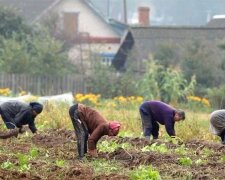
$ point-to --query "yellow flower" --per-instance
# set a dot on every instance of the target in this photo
(22, 93)
(203, 101)
(5, 91)
(87, 98)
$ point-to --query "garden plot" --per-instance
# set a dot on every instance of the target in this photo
(52, 155)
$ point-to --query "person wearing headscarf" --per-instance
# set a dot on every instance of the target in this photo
(89, 127)
(154, 112)
(15, 114)
(217, 124)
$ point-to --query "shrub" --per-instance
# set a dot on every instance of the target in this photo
(217, 97)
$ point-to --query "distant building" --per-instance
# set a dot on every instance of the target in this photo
(143, 40)
(78, 22)
(217, 21)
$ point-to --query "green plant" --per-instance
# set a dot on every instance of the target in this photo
(181, 150)
(175, 139)
(217, 97)
(166, 84)
(155, 147)
(222, 158)
(110, 146)
(107, 146)
(200, 162)
(12, 22)
(126, 146)
(207, 152)
(34, 152)
(60, 163)
(186, 161)
(7, 165)
(23, 161)
(145, 173)
(102, 165)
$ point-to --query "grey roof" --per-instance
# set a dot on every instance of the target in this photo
(117, 26)
(149, 39)
(220, 22)
(31, 10)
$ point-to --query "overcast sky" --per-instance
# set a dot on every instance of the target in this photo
(165, 12)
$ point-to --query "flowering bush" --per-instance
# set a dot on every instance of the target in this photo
(128, 100)
(88, 99)
(5, 92)
(198, 101)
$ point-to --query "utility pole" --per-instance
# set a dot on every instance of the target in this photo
(125, 11)
(108, 8)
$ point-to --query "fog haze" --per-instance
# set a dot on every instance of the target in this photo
(164, 12)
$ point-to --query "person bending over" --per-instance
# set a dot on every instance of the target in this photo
(89, 127)
(217, 124)
(15, 114)
(154, 112)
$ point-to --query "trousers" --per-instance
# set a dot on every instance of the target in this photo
(81, 131)
(149, 125)
(7, 120)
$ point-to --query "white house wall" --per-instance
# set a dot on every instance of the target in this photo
(88, 20)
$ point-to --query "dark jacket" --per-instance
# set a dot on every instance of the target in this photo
(19, 113)
(162, 113)
(97, 125)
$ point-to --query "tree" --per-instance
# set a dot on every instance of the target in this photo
(28, 50)
(48, 56)
(203, 59)
(102, 80)
(12, 23)
(166, 56)
(14, 57)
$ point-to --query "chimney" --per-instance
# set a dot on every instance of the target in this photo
(143, 16)
(70, 25)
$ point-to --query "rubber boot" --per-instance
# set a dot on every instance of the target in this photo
(223, 138)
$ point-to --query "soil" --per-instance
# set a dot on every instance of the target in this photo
(60, 144)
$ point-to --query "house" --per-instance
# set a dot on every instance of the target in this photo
(78, 22)
(218, 21)
(143, 40)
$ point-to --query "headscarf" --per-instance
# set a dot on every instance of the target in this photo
(37, 107)
(114, 125)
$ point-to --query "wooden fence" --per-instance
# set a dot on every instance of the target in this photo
(42, 85)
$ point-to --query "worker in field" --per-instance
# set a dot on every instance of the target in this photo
(154, 112)
(89, 127)
(15, 114)
(217, 124)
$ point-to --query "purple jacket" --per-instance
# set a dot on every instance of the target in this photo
(162, 113)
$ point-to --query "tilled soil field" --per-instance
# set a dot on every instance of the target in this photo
(55, 158)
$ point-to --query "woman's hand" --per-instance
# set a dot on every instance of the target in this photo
(93, 153)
